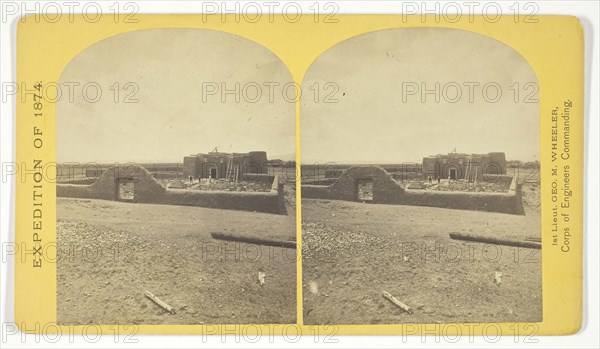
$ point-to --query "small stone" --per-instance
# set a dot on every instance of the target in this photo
(428, 310)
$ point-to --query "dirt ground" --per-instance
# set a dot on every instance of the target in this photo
(110, 253)
(354, 251)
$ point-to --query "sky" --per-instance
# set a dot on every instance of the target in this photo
(171, 73)
(382, 115)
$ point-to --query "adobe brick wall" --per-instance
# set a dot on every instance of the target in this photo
(249, 201)
(387, 191)
(491, 202)
(149, 190)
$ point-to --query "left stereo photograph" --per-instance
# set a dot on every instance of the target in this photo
(176, 182)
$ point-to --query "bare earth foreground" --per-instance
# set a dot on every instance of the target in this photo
(354, 251)
(110, 253)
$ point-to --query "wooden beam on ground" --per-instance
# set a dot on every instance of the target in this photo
(495, 241)
(160, 303)
(396, 302)
(253, 240)
(533, 238)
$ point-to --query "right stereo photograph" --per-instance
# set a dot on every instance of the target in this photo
(420, 181)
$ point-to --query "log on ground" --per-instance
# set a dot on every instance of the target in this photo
(495, 241)
(253, 240)
(159, 302)
(396, 302)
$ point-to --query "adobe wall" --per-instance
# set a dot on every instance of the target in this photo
(256, 162)
(149, 190)
(190, 166)
(385, 188)
(105, 187)
(491, 202)
(387, 191)
(245, 201)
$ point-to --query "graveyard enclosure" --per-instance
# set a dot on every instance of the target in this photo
(376, 185)
(135, 184)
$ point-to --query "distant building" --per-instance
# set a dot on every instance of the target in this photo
(218, 165)
(464, 166)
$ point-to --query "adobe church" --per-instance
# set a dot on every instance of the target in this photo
(472, 167)
(218, 165)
